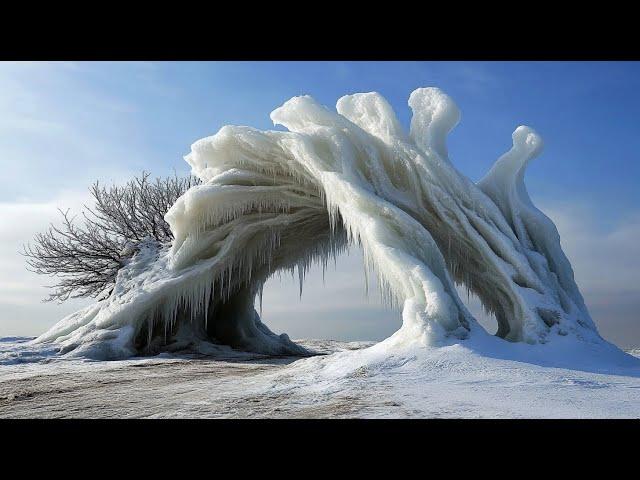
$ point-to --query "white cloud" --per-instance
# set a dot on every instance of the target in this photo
(21, 291)
(606, 263)
(603, 260)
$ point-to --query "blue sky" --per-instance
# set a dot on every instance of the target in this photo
(64, 125)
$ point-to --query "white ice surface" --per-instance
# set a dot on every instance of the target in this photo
(483, 378)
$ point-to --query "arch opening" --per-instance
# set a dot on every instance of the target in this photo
(337, 301)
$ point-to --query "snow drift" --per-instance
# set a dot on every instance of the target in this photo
(273, 200)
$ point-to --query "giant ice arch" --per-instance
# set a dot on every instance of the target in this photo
(273, 200)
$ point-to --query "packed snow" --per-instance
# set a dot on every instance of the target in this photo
(461, 380)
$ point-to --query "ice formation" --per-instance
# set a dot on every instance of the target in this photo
(273, 200)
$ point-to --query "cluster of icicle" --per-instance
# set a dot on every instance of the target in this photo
(274, 200)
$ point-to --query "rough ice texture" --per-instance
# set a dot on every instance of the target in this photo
(273, 200)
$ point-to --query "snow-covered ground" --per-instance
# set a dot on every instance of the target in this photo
(486, 378)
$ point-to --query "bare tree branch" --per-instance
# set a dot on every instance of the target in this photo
(85, 257)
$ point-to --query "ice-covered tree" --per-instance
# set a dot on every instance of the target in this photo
(273, 200)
